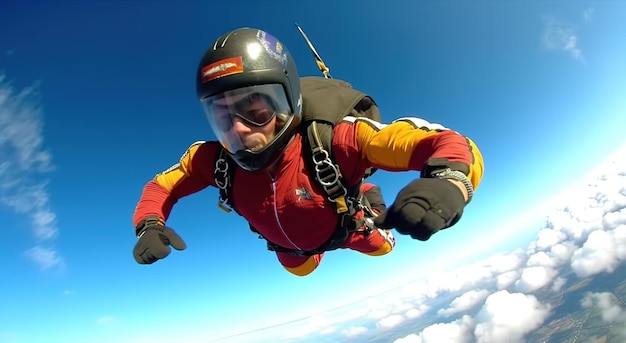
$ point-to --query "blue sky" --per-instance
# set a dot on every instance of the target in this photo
(97, 97)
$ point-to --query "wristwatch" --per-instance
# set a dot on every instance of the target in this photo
(459, 176)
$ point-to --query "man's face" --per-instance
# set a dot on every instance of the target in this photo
(248, 118)
(251, 117)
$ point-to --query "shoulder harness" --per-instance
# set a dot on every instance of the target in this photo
(325, 103)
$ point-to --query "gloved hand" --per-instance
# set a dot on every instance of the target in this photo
(154, 241)
(423, 207)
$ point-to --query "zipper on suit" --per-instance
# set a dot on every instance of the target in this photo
(276, 213)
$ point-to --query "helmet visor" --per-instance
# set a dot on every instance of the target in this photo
(254, 107)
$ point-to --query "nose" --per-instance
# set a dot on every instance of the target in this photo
(239, 126)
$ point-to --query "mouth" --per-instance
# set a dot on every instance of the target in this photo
(255, 143)
(256, 148)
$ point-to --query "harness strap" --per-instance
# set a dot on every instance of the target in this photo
(223, 174)
(326, 171)
(347, 225)
(336, 241)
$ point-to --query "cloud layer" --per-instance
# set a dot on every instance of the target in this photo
(23, 162)
(586, 236)
(507, 296)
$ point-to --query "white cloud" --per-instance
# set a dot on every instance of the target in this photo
(464, 277)
(561, 36)
(328, 331)
(508, 317)
(588, 14)
(505, 280)
(417, 312)
(378, 313)
(602, 252)
(24, 160)
(500, 263)
(579, 218)
(554, 257)
(546, 238)
(611, 308)
(534, 278)
(354, 331)
(412, 338)
(45, 257)
(458, 331)
(499, 268)
(392, 304)
(586, 232)
(465, 302)
(540, 259)
(558, 283)
(614, 219)
(562, 253)
(391, 321)
(619, 235)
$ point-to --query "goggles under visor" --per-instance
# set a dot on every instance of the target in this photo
(245, 110)
(254, 106)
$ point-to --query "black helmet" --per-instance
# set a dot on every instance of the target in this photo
(247, 64)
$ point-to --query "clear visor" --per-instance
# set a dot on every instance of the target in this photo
(238, 114)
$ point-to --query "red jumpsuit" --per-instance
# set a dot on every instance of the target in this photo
(289, 208)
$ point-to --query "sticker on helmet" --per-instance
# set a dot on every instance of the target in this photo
(225, 67)
(273, 46)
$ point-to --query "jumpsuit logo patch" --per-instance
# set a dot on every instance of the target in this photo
(303, 194)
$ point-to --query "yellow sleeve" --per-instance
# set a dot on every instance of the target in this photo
(408, 144)
(191, 174)
(477, 167)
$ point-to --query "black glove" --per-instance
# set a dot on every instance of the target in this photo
(423, 207)
(154, 241)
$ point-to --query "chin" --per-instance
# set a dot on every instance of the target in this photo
(257, 147)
